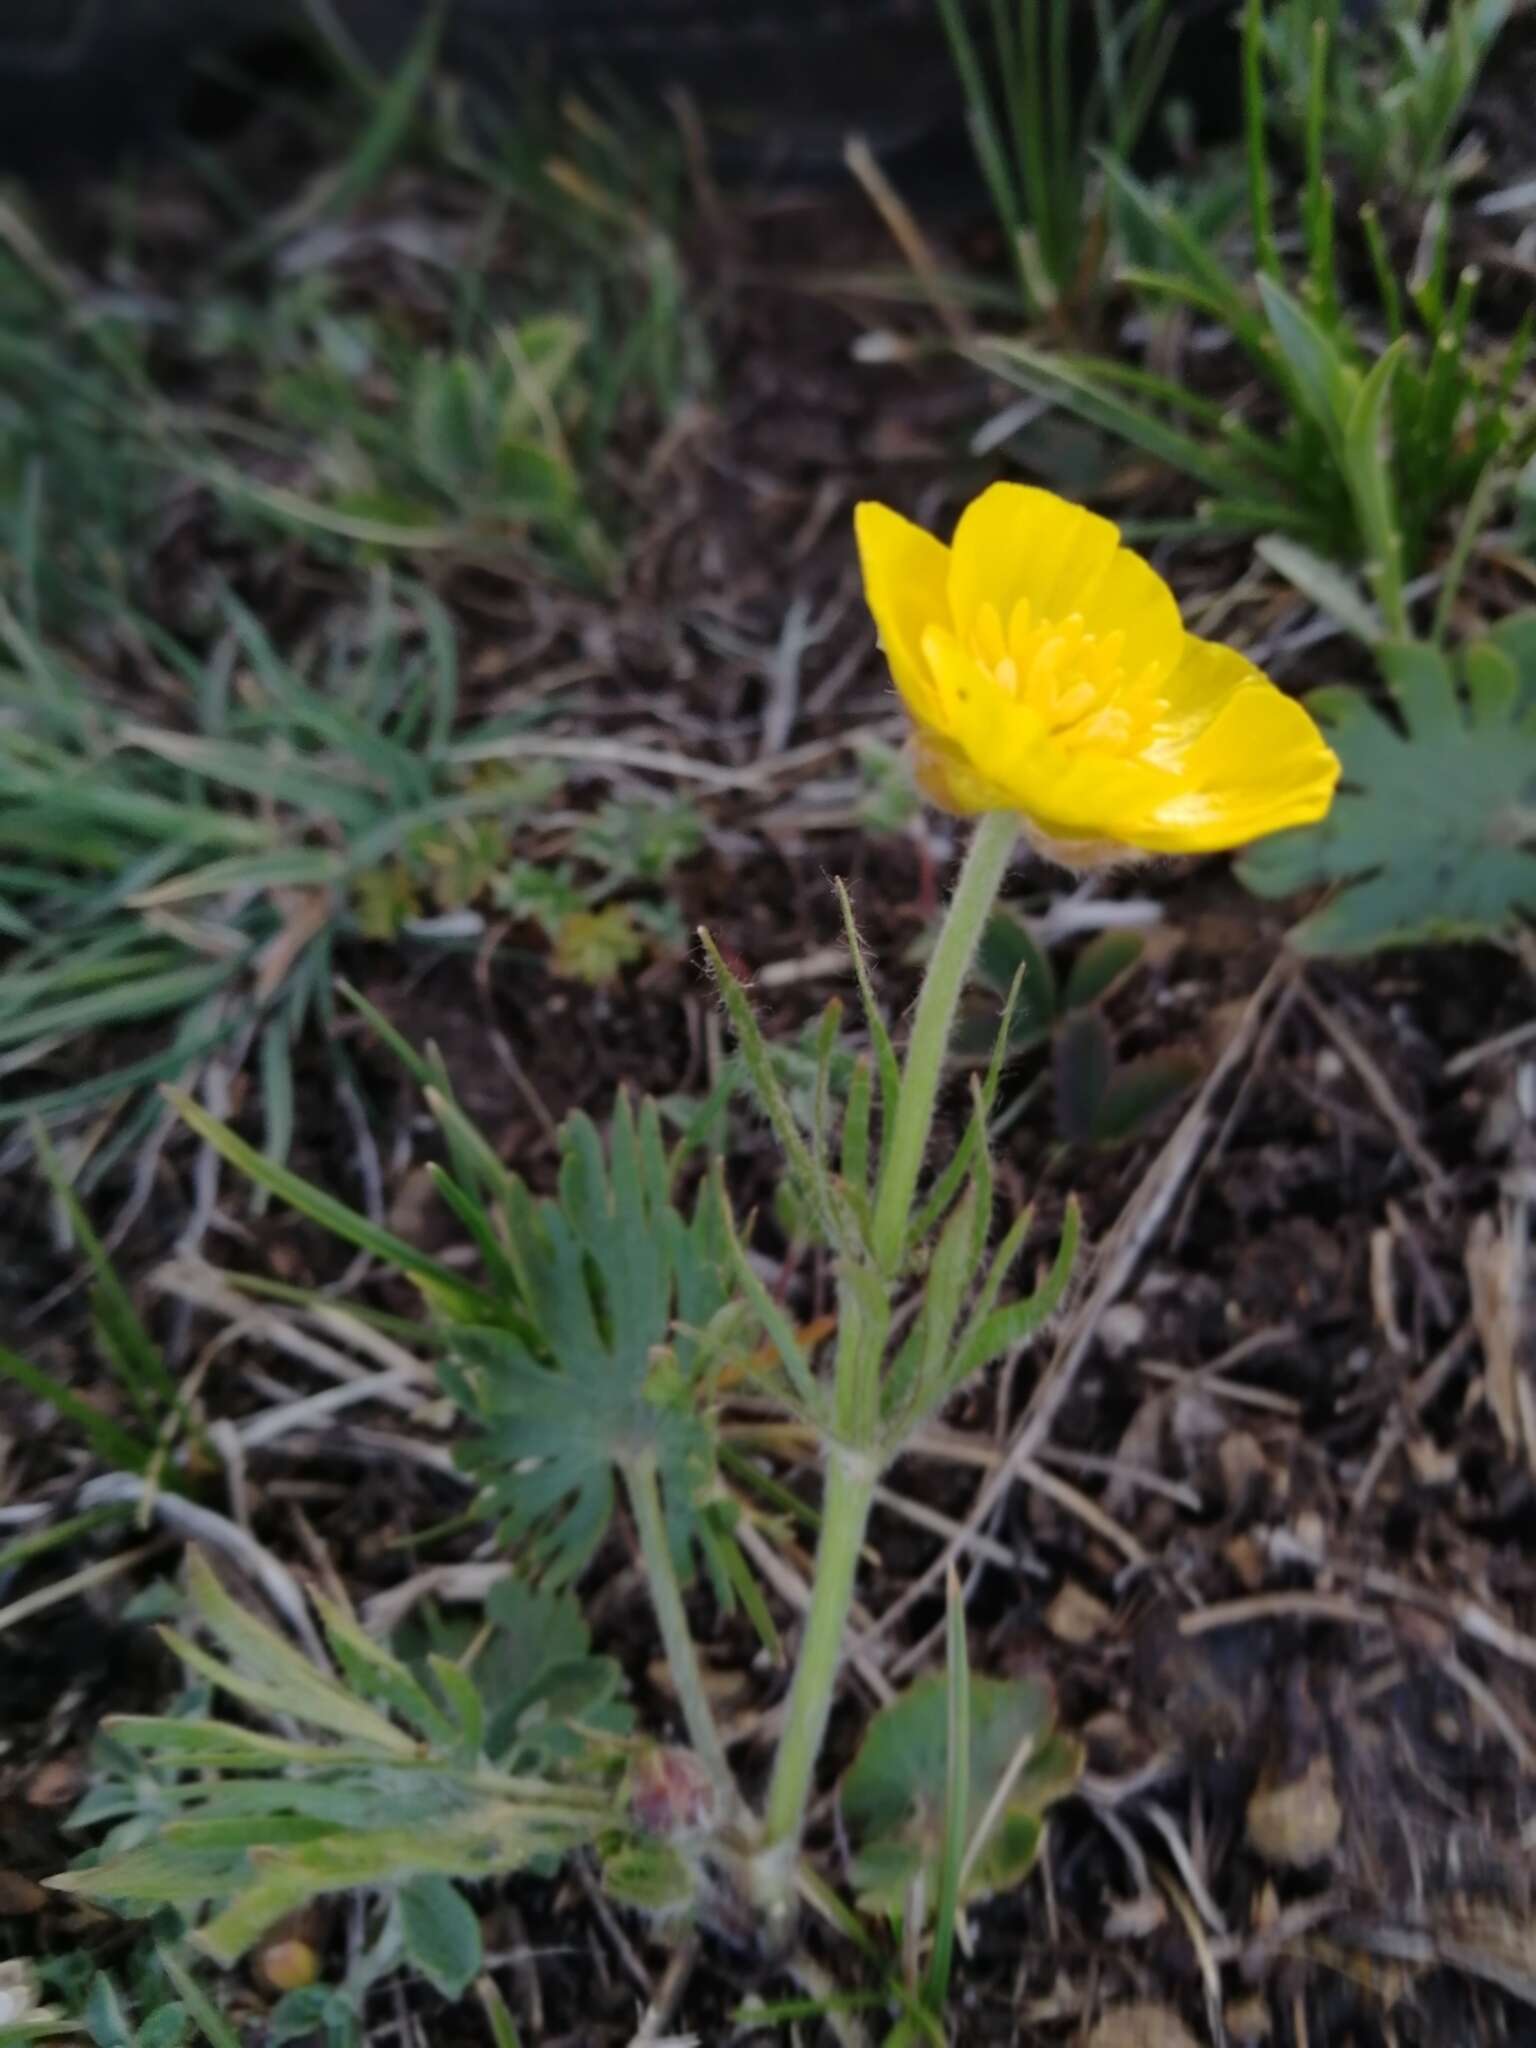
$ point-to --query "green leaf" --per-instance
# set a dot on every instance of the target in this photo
(957, 1798)
(113, 1444)
(449, 423)
(381, 1678)
(1140, 1090)
(1083, 387)
(650, 1877)
(127, 1346)
(216, 2030)
(887, 1067)
(809, 1183)
(272, 1673)
(992, 1331)
(318, 2014)
(917, 1380)
(1085, 1059)
(484, 1842)
(777, 1325)
(855, 1152)
(618, 1288)
(465, 1703)
(733, 1575)
(894, 1794)
(439, 1283)
(1368, 472)
(1322, 583)
(1008, 952)
(441, 1934)
(1100, 966)
(498, 2015)
(1433, 833)
(1320, 378)
(595, 946)
(106, 2017)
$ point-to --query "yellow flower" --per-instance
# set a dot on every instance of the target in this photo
(1047, 672)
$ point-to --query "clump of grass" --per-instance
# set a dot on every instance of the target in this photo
(180, 888)
(1038, 130)
(1398, 83)
(445, 350)
(1372, 431)
(442, 347)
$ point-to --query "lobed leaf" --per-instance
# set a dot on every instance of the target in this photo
(1433, 833)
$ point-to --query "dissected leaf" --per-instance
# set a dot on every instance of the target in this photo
(620, 1289)
(991, 1331)
(236, 1828)
(595, 946)
(534, 1672)
(1433, 833)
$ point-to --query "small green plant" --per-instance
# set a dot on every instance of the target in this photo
(1396, 85)
(867, 1211)
(1100, 1099)
(394, 1784)
(1363, 451)
(1433, 835)
(154, 1426)
(594, 1354)
(588, 1358)
(467, 403)
(78, 475)
(898, 1796)
(597, 1347)
(154, 1999)
(622, 851)
(1036, 128)
(182, 888)
(475, 443)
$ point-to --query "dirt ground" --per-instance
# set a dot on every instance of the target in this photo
(1266, 1492)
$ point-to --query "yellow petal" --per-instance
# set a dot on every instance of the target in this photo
(905, 576)
(947, 779)
(1202, 684)
(1016, 542)
(983, 720)
(1259, 765)
(1095, 796)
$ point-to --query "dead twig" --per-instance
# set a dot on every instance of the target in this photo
(1379, 1089)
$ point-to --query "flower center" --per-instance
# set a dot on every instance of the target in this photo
(1075, 681)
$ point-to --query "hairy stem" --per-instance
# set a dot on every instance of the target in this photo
(667, 1600)
(850, 1488)
(855, 1459)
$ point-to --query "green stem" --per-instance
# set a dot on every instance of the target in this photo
(971, 906)
(667, 1599)
(851, 1480)
(854, 1462)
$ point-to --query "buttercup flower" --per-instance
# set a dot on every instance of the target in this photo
(1047, 672)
